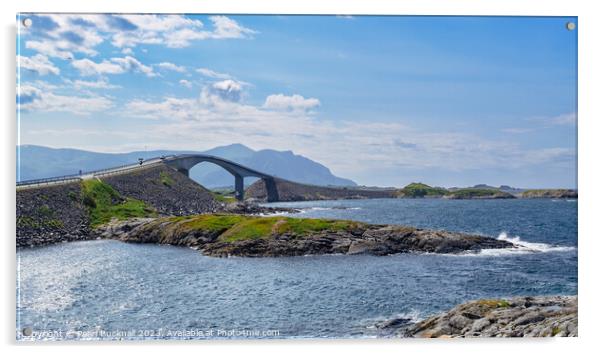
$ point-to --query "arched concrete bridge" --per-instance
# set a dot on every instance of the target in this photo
(183, 163)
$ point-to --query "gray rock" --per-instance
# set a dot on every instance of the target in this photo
(544, 316)
(480, 324)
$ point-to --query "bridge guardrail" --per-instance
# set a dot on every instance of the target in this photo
(50, 180)
(78, 176)
(119, 170)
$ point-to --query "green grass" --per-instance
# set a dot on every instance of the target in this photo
(211, 222)
(104, 203)
(265, 227)
(166, 179)
(419, 190)
(45, 211)
(249, 229)
(224, 198)
(494, 303)
(307, 226)
(474, 192)
(27, 221)
(235, 227)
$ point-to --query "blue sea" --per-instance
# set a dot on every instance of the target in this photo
(112, 290)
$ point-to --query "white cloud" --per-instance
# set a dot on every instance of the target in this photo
(62, 35)
(222, 93)
(564, 119)
(227, 86)
(213, 74)
(290, 103)
(172, 67)
(169, 30)
(516, 130)
(186, 83)
(228, 28)
(31, 98)
(49, 48)
(215, 120)
(102, 83)
(38, 63)
(169, 108)
(132, 64)
(88, 67)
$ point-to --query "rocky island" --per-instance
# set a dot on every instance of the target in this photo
(224, 235)
(292, 191)
(527, 316)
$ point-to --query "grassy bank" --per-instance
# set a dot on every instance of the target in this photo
(468, 193)
(233, 227)
(224, 198)
(104, 203)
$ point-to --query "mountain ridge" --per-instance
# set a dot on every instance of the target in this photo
(35, 161)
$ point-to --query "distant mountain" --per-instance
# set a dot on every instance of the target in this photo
(40, 162)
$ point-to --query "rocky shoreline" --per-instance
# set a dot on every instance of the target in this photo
(289, 191)
(230, 235)
(527, 316)
(248, 208)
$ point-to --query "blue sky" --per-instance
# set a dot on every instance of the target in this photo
(449, 101)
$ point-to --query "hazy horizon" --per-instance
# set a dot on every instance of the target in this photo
(384, 101)
(400, 185)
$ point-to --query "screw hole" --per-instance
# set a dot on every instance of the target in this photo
(570, 26)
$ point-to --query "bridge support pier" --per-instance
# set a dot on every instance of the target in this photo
(271, 190)
(184, 171)
(239, 187)
(183, 164)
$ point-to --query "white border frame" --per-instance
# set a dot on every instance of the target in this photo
(589, 176)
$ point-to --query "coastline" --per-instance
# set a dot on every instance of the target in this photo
(225, 235)
(525, 316)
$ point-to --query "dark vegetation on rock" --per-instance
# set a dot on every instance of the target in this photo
(538, 316)
(476, 193)
(420, 190)
(224, 235)
(51, 214)
(550, 193)
(166, 190)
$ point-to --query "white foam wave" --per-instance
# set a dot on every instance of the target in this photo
(522, 247)
(412, 316)
(279, 213)
(333, 208)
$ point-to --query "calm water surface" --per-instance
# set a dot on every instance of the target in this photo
(109, 290)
